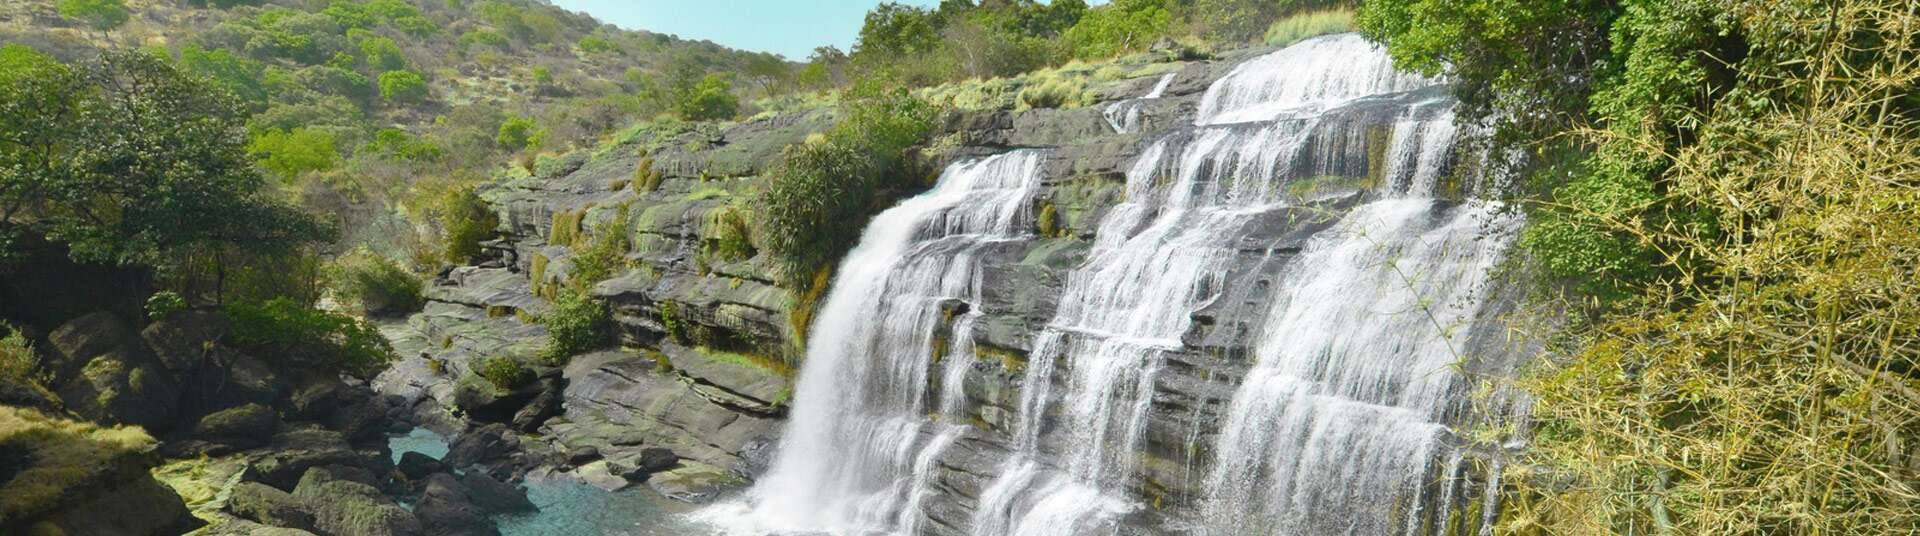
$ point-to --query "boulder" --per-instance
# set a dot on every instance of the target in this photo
(268, 505)
(445, 509)
(294, 452)
(234, 379)
(343, 506)
(692, 482)
(78, 341)
(315, 399)
(248, 426)
(545, 405)
(636, 467)
(418, 466)
(486, 445)
(582, 455)
(184, 340)
(496, 496)
(363, 419)
(123, 387)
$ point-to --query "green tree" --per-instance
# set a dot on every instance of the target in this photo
(131, 161)
(710, 99)
(291, 153)
(892, 30)
(382, 54)
(1122, 26)
(467, 220)
(98, 14)
(823, 191)
(242, 76)
(403, 87)
(519, 133)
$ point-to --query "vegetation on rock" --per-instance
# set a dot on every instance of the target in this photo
(300, 336)
(1727, 214)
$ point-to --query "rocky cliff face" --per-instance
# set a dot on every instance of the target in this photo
(709, 341)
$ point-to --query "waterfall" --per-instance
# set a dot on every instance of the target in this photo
(1124, 116)
(1344, 424)
(1316, 74)
(858, 451)
(1339, 428)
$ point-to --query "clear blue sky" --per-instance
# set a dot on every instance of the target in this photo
(791, 28)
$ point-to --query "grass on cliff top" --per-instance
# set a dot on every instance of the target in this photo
(60, 455)
(1303, 26)
(1065, 86)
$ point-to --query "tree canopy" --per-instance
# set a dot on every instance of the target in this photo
(128, 160)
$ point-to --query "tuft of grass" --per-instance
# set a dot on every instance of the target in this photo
(1303, 26)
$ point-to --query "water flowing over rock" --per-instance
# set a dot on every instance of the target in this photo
(1277, 329)
(859, 443)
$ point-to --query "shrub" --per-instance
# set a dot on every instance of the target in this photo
(468, 221)
(1060, 92)
(725, 234)
(300, 336)
(577, 324)
(18, 363)
(822, 191)
(645, 177)
(163, 303)
(403, 86)
(98, 14)
(376, 284)
(1300, 27)
(288, 154)
(605, 252)
(711, 99)
(519, 133)
(504, 372)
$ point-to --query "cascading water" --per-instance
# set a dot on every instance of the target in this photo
(1342, 426)
(1124, 116)
(1339, 428)
(858, 450)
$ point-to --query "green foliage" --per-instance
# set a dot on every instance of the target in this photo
(594, 44)
(483, 37)
(505, 373)
(397, 143)
(18, 363)
(164, 303)
(893, 30)
(290, 154)
(519, 133)
(382, 54)
(98, 14)
(300, 336)
(403, 87)
(604, 253)
(1302, 26)
(376, 284)
(131, 161)
(467, 221)
(1121, 26)
(242, 76)
(1726, 215)
(726, 234)
(822, 191)
(710, 99)
(575, 325)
